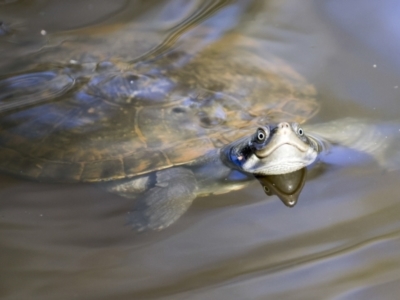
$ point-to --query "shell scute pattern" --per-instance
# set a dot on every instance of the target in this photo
(118, 122)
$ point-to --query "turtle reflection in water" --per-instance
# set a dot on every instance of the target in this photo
(286, 187)
(162, 131)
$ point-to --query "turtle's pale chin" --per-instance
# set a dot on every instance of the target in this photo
(285, 158)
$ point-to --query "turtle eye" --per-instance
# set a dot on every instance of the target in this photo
(261, 135)
(300, 131)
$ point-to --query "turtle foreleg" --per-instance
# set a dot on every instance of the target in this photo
(162, 204)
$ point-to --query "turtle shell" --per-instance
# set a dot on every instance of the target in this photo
(112, 119)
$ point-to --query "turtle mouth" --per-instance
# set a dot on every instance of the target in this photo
(269, 150)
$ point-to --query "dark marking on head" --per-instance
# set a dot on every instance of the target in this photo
(179, 110)
(132, 77)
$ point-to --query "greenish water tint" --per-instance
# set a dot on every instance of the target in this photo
(341, 240)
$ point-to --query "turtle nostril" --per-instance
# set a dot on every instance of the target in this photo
(284, 125)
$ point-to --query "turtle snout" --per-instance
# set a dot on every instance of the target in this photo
(283, 127)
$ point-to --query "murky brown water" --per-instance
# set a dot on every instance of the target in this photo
(341, 241)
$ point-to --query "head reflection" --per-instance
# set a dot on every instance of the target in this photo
(286, 186)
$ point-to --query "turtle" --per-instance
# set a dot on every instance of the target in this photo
(161, 130)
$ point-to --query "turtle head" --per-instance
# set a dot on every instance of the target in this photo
(272, 150)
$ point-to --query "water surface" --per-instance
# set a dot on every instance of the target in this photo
(341, 241)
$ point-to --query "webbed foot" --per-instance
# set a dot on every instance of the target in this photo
(164, 203)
